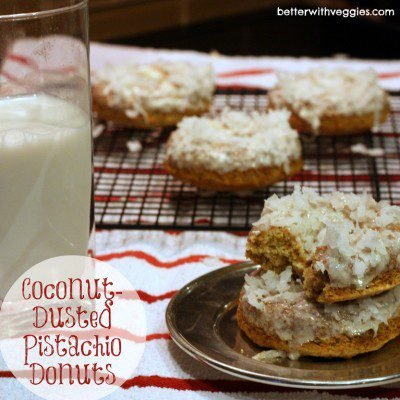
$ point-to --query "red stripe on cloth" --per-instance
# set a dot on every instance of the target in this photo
(22, 60)
(346, 178)
(386, 134)
(161, 264)
(30, 62)
(203, 221)
(107, 198)
(148, 298)
(388, 75)
(9, 76)
(239, 234)
(233, 233)
(28, 374)
(90, 333)
(173, 233)
(143, 171)
(239, 87)
(314, 176)
(245, 72)
(118, 199)
(158, 336)
(112, 332)
(196, 384)
(265, 71)
(226, 386)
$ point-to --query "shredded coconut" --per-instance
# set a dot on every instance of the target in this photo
(283, 309)
(271, 356)
(235, 140)
(360, 237)
(159, 87)
(97, 130)
(323, 92)
(134, 146)
(360, 148)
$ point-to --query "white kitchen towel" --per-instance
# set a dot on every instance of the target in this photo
(30, 55)
(158, 264)
(258, 72)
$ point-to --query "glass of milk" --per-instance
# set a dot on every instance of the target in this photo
(46, 204)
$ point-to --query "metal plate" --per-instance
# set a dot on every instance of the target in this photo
(202, 321)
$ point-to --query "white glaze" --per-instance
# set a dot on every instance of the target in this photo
(235, 140)
(283, 309)
(159, 87)
(358, 233)
(322, 92)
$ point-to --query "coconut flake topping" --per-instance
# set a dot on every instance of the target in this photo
(283, 309)
(360, 237)
(235, 140)
(162, 86)
(323, 92)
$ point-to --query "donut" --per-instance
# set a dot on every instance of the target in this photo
(331, 101)
(148, 96)
(234, 150)
(274, 312)
(343, 246)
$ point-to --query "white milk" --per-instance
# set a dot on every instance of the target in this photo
(45, 182)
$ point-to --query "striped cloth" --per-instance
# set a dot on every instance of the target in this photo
(239, 72)
(231, 72)
(158, 264)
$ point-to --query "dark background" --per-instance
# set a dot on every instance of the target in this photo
(262, 32)
(265, 33)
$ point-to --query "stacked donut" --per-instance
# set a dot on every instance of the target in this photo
(328, 282)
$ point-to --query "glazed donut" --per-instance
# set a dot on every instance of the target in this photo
(343, 246)
(234, 150)
(274, 312)
(154, 95)
(331, 102)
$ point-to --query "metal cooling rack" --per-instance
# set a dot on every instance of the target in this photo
(133, 191)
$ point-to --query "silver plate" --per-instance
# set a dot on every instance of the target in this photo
(202, 321)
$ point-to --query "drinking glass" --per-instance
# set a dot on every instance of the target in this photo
(46, 203)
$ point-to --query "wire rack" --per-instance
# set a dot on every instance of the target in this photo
(133, 191)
